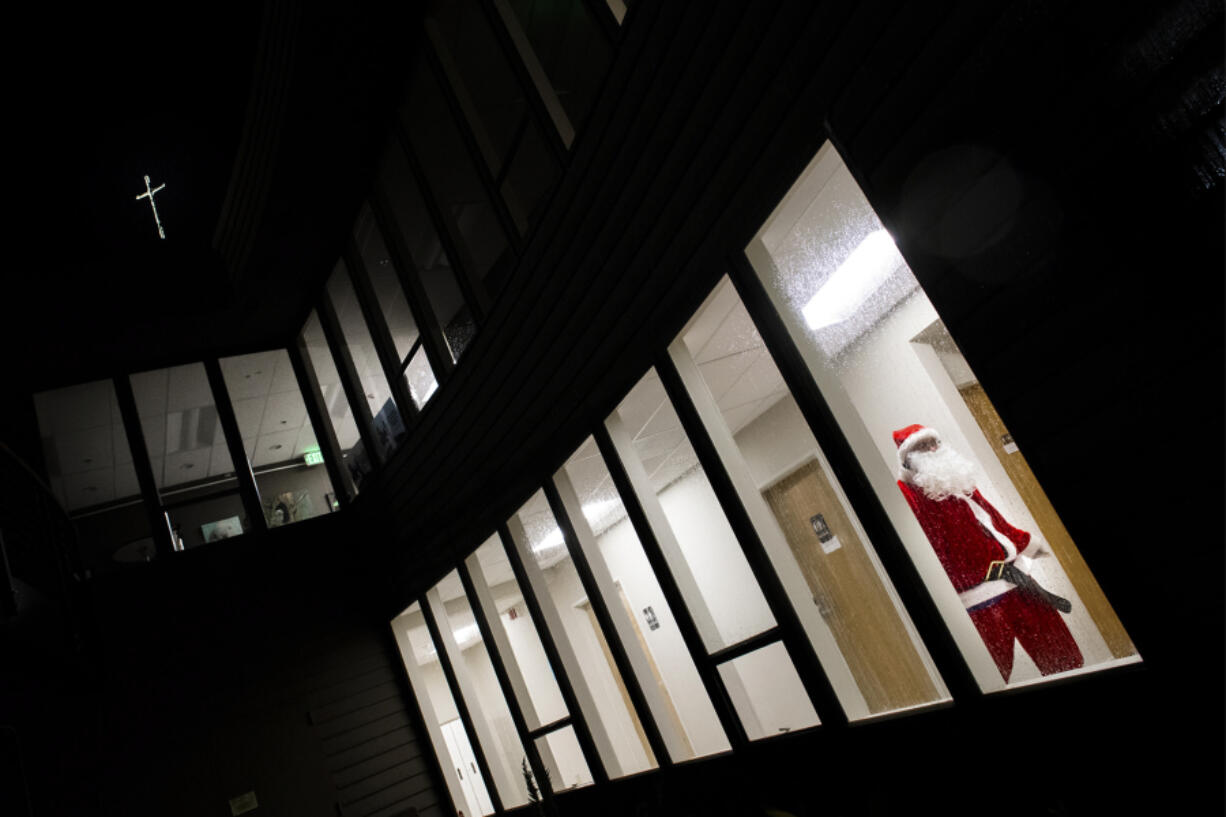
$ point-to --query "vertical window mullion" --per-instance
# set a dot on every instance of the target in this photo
(612, 636)
(317, 412)
(690, 633)
(159, 522)
(483, 615)
(428, 327)
(471, 285)
(890, 549)
(247, 488)
(461, 703)
(795, 639)
(350, 382)
(385, 347)
(578, 720)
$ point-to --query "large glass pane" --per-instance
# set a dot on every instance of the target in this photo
(871, 651)
(531, 674)
(702, 551)
(188, 451)
(335, 401)
(277, 436)
(389, 428)
(452, 744)
(453, 177)
(766, 692)
(582, 642)
(1006, 575)
(666, 671)
(572, 50)
(417, 228)
(85, 447)
(385, 282)
(494, 104)
(479, 685)
(90, 471)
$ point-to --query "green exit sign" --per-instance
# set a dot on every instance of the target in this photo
(314, 458)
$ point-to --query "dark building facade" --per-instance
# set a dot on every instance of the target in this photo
(599, 182)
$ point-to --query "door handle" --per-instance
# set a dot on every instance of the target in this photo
(460, 773)
(473, 765)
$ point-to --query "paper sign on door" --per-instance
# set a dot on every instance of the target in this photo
(829, 542)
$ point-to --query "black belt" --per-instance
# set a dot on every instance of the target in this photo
(1025, 583)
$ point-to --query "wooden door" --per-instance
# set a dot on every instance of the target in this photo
(1049, 523)
(849, 593)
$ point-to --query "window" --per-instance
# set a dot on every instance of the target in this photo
(389, 428)
(426, 250)
(849, 610)
(90, 471)
(389, 294)
(277, 436)
(582, 642)
(335, 402)
(191, 461)
(474, 674)
(485, 85)
(452, 743)
(704, 555)
(648, 630)
(528, 667)
(463, 201)
(561, 41)
(1004, 572)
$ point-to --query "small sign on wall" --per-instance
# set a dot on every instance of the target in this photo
(649, 614)
(243, 804)
(829, 542)
(1006, 440)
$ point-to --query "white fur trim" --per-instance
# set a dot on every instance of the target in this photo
(986, 520)
(984, 592)
(909, 444)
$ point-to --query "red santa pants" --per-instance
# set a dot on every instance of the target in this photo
(1039, 627)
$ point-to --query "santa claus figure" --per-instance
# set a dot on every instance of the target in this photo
(987, 559)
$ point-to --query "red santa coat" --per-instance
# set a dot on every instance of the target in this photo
(1000, 613)
(965, 549)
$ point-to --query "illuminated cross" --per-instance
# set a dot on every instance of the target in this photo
(148, 194)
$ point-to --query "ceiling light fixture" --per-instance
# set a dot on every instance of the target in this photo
(857, 278)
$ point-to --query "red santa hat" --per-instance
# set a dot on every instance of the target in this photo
(911, 436)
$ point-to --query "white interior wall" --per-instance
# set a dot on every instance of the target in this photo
(546, 698)
(566, 590)
(509, 752)
(619, 545)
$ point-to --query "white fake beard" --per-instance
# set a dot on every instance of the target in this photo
(942, 473)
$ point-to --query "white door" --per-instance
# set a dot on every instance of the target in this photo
(465, 763)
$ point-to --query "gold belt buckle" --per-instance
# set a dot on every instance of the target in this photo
(994, 569)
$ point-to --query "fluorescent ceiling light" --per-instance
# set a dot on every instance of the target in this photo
(856, 279)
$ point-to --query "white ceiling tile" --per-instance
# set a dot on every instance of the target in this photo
(249, 413)
(283, 378)
(220, 461)
(126, 483)
(658, 444)
(641, 403)
(709, 319)
(149, 389)
(736, 334)
(84, 450)
(274, 448)
(74, 407)
(154, 428)
(187, 466)
(305, 441)
(119, 445)
(89, 488)
(248, 376)
(188, 388)
(282, 412)
(722, 373)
